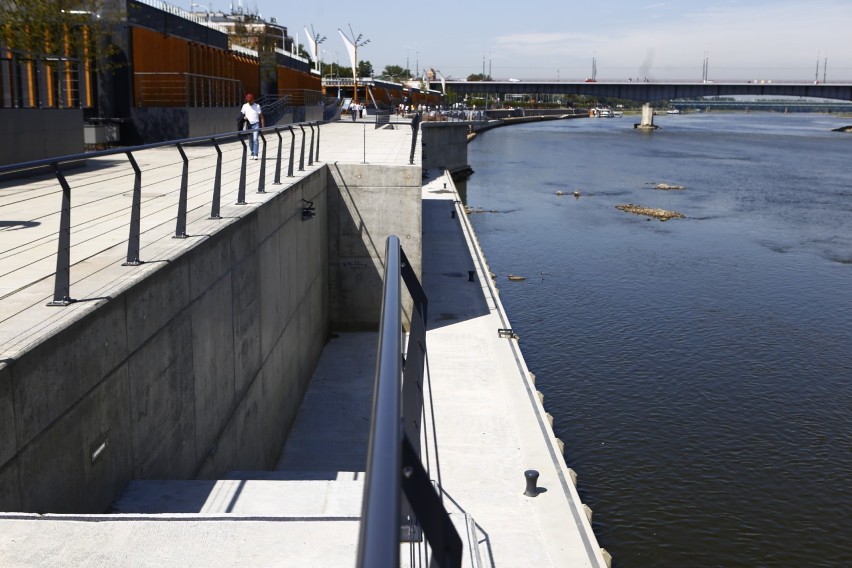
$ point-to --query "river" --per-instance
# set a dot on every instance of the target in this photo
(699, 370)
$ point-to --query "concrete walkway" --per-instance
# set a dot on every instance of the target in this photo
(485, 425)
(101, 199)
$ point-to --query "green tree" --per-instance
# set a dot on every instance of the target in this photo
(478, 77)
(365, 69)
(78, 29)
(344, 72)
(396, 73)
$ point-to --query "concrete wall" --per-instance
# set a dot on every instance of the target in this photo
(308, 114)
(366, 204)
(444, 145)
(34, 134)
(150, 125)
(160, 124)
(194, 371)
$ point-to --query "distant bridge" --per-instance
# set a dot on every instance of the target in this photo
(651, 91)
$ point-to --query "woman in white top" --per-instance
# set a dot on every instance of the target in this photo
(251, 111)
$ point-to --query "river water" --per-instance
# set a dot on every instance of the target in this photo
(699, 370)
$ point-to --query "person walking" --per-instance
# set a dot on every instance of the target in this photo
(353, 110)
(251, 111)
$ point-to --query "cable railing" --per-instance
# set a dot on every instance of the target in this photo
(308, 147)
(179, 89)
(399, 497)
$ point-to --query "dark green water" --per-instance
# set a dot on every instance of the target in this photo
(699, 370)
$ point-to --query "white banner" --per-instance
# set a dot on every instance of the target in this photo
(350, 47)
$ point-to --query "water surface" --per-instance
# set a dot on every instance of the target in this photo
(699, 370)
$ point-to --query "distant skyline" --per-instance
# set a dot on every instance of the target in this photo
(742, 40)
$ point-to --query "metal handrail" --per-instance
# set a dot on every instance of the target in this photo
(378, 543)
(394, 466)
(62, 281)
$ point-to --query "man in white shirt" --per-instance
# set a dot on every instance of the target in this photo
(251, 110)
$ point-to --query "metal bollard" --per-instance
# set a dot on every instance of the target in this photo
(532, 479)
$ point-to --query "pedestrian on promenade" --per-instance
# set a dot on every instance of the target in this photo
(251, 111)
(361, 108)
(353, 110)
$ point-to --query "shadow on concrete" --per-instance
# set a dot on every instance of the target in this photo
(152, 496)
(17, 225)
(453, 296)
(330, 435)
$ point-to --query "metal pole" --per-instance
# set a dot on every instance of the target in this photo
(135, 213)
(302, 155)
(217, 183)
(241, 192)
(311, 151)
(316, 158)
(277, 180)
(62, 283)
(261, 181)
(180, 227)
(292, 151)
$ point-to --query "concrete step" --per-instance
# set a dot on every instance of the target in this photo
(176, 540)
(297, 475)
(258, 497)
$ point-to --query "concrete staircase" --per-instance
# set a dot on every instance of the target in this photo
(306, 513)
(320, 470)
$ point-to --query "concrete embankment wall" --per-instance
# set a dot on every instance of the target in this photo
(193, 371)
(445, 145)
(366, 204)
(199, 368)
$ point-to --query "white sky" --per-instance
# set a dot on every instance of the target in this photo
(777, 40)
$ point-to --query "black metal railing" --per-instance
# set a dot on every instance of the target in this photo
(274, 108)
(397, 490)
(62, 281)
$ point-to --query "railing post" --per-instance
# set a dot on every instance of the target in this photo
(135, 213)
(62, 282)
(318, 142)
(217, 183)
(277, 180)
(180, 225)
(292, 151)
(241, 190)
(311, 151)
(302, 155)
(261, 180)
(415, 126)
